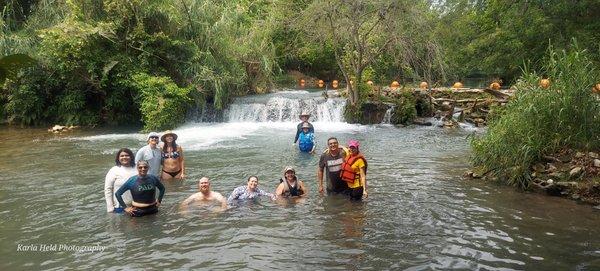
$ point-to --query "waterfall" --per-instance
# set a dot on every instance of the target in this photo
(388, 115)
(286, 107)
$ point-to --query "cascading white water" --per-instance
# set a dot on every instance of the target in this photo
(286, 107)
(388, 115)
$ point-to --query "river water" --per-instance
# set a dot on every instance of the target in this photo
(420, 214)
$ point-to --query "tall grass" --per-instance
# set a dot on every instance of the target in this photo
(542, 121)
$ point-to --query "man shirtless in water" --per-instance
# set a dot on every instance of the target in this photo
(205, 195)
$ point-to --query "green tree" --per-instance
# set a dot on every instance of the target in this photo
(361, 31)
(496, 37)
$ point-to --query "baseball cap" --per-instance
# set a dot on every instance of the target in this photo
(153, 134)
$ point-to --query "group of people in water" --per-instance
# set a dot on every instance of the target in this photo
(131, 185)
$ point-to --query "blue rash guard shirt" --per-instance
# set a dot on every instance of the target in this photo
(311, 129)
(143, 189)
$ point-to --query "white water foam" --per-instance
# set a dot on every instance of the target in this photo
(202, 136)
(111, 137)
(260, 115)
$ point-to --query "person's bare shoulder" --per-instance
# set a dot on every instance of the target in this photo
(216, 195)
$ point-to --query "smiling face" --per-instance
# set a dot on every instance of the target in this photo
(289, 175)
(353, 150)
(169, 139)
(124, 158)
(153, 140)
(252, 183)
(142, 168)
(332, 144)
(304, 118)
(204, 185)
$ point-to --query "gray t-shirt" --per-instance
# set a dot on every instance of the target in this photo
(153, 156)
(333, 164)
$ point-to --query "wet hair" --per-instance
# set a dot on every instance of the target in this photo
(128, 151)
(332, 138)
(253, 176)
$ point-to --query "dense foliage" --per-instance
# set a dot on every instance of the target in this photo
(495, 38)
(541, 121)
(89, 52)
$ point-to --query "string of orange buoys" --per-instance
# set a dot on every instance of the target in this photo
(394, 85)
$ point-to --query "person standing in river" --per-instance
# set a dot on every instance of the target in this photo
(354, 172)
(143, 192)
(172, 158)
(151, 154)
(117, 176)
(304, 118)
(306, 140)
(332, 159)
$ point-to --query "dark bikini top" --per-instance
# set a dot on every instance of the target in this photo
(173, 155)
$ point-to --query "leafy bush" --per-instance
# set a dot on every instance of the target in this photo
(405, 111)
(28, 97)
(162, 103)
(541, 121)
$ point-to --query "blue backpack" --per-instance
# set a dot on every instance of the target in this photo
(306, 141)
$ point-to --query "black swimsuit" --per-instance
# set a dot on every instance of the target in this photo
(173, 155)
(292, 191)
(173, 174)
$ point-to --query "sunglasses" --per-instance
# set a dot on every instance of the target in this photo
(154, 137)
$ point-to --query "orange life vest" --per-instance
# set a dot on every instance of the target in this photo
(347, 173)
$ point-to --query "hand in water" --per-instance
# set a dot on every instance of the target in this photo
(321, 190)
(182, 176)
(365, 194)
(129, 210)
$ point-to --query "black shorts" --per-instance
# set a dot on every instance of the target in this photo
(137, 211)
(338, 191)
(355, 193)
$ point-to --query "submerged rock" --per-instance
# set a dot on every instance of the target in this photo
(422, 122)
(597, 162)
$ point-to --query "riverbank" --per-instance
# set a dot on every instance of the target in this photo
(569, 173)
(414, 106)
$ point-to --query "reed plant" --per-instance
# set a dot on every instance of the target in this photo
(538, 121)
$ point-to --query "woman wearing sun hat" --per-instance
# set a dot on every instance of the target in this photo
(354, 172)
(172, 155)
